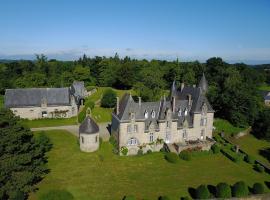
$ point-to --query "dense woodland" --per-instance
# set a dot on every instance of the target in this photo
(233, 87)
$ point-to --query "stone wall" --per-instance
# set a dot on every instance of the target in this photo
(89, 142)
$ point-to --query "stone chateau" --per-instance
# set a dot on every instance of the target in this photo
(34, 103)
(181, 121)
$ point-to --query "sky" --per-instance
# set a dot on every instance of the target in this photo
(235, 30)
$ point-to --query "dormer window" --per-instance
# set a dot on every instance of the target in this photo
(186, 112)
(146, 114)
(179, 112)
(153, 114)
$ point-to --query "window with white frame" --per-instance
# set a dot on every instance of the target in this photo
(202, 134)
(153, 114)
(151, 137)
(146, 114)
(203, 121)
(129, 128)
(180, 112)
(132, 141)
(184, 134)
(135, 128)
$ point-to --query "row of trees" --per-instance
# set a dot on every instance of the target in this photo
(233, 88)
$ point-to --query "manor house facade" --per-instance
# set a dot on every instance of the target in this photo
(183, 119)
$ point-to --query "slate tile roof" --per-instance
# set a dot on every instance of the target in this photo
(89, 126)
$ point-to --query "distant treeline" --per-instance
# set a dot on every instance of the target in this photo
(233, 87)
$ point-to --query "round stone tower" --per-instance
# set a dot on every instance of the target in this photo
(89, 135)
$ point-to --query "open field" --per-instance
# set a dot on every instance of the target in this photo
(253, 146)
(227, 127)
(103, 175)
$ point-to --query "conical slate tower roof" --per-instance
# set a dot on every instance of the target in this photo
(89, 126)
(203, 84)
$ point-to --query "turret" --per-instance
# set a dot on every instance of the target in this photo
(203, 84)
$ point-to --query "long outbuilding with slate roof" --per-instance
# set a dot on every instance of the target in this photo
(183, 117)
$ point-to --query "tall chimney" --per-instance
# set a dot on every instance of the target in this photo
(117, 105)
(173, 104)
(140, 101)
(182, 86)
(189, 99)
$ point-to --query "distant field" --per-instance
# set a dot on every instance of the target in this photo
(104, 175)
(227, 127)
(1, 101)
(253, 146)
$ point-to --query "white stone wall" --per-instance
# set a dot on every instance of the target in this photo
(89, 142)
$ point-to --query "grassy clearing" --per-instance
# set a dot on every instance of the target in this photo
(264, 87)
(103, 175)
(227, 127)
(1, 101)
(253, 146)
(49, 122)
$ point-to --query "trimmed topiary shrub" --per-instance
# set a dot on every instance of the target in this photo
(57, 195)
(202, 192)
(185, 155)
(223, 190)
(215, 148)
(258, 188)
(171, 157)
(108, 99)
(140, 152)
(149, 151)
(163, 150)
(129, 197)
(124, 151)
(240, 189)
(163, 198)
(259, 168)
(249, 159)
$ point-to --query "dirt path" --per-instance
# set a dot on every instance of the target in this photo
(74, 129)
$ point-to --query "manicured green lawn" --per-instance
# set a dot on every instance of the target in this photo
(1, 101)
(49, 122)
(227, 127)
(252, 146)
(103, 175)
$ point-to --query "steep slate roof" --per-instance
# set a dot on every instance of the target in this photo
(266, 95)
(198, 99)
(34, 97)
(77, 89)
(203, 84)
(88, 126)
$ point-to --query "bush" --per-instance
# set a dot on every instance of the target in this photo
(202, 192)
(129, 197)
(140, 152)
(124, 150)
(88, 104)
(57, 195)
(235, 157)
(171, 157)
(258, 188)
(185, 198)
(108, 99)
(259, 168)
(240, 189)
(215, 148)
(249, 159)
(163, 198)
(223, 191)
(149, 151)
(163, 150)
(185, 155)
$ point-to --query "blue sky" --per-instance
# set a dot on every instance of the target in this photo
(236, 30)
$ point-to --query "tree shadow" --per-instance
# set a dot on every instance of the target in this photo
(212, 190)
(192, 192)
(267, 183)
(108, 127)
(265, 153)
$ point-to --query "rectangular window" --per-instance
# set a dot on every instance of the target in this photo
(202, 134)
(184, 134)
(151, 139)
(96, 139)
(82, 139)
(135, 128)
(203, 121)
(129, 128)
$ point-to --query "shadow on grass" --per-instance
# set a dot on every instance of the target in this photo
(212, 190)
(192, 192)
(265, 153)
(267, 183)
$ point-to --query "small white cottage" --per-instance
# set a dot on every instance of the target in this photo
(89, 135)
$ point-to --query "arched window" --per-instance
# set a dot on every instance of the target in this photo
(146, 114)
(132, 141)
(82, 139)
(153, 114)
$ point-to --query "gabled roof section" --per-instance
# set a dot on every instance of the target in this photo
(15, 98)
(88, 126)
(126, 103)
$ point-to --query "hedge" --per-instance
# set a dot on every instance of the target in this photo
(240, 189)
(249, 159)
(202, 192)
(129, 197)
(259, 168)
(235, 157)
(185, 155)
(171, 157)
(215, 148)
(223, 190)
(258, 188)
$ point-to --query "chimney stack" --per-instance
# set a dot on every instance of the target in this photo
(182, 86)
(173, 104)
(194, 85)
(117, 105)
(189, 100)
(140, 101)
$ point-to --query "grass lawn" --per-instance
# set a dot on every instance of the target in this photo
(1, 101)
(264, 87)
(227, 127)
(49, 122)
(252, 146)
(103, 175)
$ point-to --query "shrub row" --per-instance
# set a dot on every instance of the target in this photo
(235, 157)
